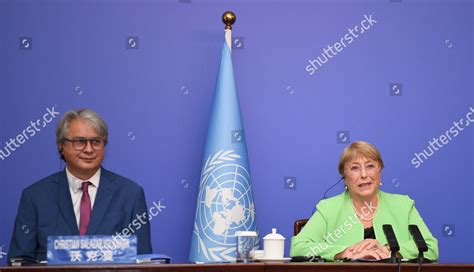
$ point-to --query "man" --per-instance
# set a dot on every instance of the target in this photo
(84, 199)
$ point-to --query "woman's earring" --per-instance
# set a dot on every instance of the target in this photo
(380, 183)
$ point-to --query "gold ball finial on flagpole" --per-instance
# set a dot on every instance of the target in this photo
(229, 19)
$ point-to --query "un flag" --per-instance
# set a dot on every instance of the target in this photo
(225, 202)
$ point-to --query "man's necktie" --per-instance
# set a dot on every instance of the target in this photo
(85, 208)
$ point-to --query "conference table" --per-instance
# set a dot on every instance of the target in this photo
(254, 267)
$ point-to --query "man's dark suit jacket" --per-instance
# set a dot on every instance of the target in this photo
(46, 210)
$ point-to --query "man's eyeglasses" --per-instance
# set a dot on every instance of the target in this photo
(80, 143)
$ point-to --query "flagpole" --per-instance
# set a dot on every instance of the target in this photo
(229, 19)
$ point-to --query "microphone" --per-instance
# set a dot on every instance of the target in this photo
(326, 192)
(419, 240)
(420, 244)
(392, 242)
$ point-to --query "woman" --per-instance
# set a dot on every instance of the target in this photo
(349, 225)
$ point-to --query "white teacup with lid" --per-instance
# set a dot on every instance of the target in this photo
(274, 245)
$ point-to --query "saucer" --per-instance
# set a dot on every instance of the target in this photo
(278, 260)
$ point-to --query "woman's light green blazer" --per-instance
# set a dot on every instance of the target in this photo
(335, 226)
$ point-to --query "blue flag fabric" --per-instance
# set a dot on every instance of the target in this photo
(225, 201)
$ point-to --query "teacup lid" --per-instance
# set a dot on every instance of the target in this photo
(245, 233)
(274, 235)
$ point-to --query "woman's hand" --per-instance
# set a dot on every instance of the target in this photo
(371, 245)
(369, 254)
(368, 248)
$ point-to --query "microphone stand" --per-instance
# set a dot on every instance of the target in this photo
(393, 256)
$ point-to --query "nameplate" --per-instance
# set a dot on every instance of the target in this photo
(97, 249)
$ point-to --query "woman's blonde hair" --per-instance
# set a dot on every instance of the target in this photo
(359, 149)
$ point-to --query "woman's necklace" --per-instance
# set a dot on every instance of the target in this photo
(362, 217)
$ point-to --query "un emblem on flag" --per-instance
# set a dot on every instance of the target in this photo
(225, 205)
